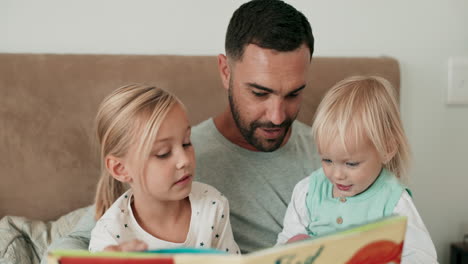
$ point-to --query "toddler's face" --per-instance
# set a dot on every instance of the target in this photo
(168, 173)
(352, 171)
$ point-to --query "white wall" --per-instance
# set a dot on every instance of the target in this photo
(421, 34)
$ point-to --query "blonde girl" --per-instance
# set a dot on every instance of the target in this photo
(144, 137)
(365, 154)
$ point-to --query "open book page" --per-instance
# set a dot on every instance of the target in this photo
(376, 242)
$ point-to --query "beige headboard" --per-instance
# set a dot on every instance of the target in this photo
(48, 161)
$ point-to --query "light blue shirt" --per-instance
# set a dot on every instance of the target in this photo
(328, 214)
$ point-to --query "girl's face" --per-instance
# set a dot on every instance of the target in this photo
(168, 172)
(354, 171)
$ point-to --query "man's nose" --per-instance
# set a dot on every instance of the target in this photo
(276, 112)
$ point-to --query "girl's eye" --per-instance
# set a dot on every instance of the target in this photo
(163, 156)
(326, 160)
(352, 164)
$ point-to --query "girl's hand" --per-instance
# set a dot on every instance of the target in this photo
(298, 237)
(132, 245)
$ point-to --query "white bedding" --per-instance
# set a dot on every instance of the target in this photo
(24, 241)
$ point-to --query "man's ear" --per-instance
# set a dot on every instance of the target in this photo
(224, 70)
(116, 167)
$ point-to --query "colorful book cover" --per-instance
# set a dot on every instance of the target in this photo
(379, 242)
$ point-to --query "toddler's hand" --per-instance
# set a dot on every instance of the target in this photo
(132, 245)
(298, 237)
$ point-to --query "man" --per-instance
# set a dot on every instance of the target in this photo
(254, 152)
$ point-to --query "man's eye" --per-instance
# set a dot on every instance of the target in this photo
(352, 164)
(293, 95)
(259, 94)
(186, 145)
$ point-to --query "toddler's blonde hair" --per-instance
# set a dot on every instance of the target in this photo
(130, 115)
(363, 106)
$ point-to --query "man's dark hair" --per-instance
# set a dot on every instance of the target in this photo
(270, 24)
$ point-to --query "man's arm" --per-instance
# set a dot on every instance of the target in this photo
(78, 238)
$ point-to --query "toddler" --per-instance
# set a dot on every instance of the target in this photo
(365, 153)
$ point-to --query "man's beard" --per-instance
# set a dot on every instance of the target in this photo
(248, 130)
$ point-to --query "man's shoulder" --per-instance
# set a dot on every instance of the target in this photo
(302, 125)
(302, 130)
(203, 133)
(303, 136)
(202, 127)
(207, 140)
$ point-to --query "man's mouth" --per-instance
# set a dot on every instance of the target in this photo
(271, 133)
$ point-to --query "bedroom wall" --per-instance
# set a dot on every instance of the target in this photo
(422, 35)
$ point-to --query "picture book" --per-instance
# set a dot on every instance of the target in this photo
(376, 242)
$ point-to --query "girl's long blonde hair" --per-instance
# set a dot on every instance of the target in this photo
(130, 115)
(366, 106)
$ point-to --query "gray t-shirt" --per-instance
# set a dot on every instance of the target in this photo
(258, 185)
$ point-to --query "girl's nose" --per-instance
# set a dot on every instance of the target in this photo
(183, 161)
(180, 165)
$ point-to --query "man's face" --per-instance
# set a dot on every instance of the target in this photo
(265, 93)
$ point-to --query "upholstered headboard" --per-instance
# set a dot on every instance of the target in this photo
(48, 161)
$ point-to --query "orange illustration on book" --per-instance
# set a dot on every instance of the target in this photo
(378, 252)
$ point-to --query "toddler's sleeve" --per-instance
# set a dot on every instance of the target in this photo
(295, 219)
(418, 246)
